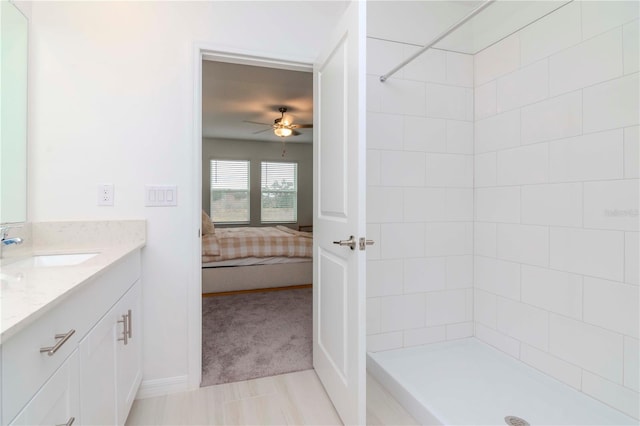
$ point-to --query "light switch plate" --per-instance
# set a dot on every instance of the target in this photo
(161, 195)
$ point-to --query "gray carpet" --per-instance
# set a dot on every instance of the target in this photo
(247, 336)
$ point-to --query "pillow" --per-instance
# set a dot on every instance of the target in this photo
(207, 225)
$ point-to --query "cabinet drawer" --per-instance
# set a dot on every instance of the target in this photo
(25, 368)
(57, 401)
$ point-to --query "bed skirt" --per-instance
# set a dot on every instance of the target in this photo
(253, 277)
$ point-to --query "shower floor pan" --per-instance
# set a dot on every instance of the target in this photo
(466, 382)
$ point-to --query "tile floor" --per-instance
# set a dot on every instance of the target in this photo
(288, 399)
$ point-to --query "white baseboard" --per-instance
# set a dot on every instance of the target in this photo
(159, 387)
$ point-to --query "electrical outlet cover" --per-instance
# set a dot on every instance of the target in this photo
(105, 194)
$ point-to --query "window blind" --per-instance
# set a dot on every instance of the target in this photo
(279, 192)
(229, 191)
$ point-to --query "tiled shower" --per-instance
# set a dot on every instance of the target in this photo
(503, 191)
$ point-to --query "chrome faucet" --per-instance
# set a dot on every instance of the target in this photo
(4, 233)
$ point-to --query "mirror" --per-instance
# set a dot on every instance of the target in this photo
(13, 114)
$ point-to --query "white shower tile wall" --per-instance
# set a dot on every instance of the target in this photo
(420, 197)
(557, 197)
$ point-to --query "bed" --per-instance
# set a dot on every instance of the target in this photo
(251, 258)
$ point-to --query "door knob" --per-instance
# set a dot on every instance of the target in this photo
(363, 243)
(351, 242)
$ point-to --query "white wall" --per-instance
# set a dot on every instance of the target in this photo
(111, 101)
(419, 197)
(556, 198)
(256, 152)
(24, 6)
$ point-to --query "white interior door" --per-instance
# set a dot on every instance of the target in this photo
(339, 213)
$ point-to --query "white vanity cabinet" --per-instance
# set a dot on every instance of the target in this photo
(110, 363)
(97, 373)
(56, 403)
(129, 355)
(92, 376)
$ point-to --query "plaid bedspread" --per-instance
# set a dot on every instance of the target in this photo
(237, 243)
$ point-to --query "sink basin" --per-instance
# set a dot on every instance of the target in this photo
(46, 260)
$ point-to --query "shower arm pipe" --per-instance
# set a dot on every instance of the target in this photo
(442, 35)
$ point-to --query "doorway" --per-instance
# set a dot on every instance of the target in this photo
(257, 202)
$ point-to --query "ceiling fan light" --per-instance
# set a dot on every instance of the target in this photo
(286, 120)
(283, 132)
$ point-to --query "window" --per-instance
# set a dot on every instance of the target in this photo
(279, 192)
(229, 191)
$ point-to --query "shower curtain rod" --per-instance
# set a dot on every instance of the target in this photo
(442, 35)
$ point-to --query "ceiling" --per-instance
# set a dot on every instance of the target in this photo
(233, 93)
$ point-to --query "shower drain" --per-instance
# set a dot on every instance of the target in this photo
(515, 421)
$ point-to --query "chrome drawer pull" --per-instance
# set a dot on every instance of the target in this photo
(129, 328)
(69, 423)
(63, 338)
(125, 334)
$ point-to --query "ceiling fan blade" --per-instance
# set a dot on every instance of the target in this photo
(302, 126)
(260, 131)
(295, 133)
(257, 122)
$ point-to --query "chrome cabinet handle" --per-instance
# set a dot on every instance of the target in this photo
(129, 328)
(351, 242)
(63, 338)
(125, 333)
(69, 423)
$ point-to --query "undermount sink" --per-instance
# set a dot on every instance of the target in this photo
(45, 260)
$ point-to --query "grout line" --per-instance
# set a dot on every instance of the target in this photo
(549, 247)
(582, 207)
(530, 265)
(520, 284)
(550, 312)
(582, 112)
(558, 95)
(401, 114)
(566, 182)
(581, 22)
(582, 297)
(520, 126)
(624, 257)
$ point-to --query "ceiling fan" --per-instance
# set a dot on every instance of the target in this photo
(282, 126)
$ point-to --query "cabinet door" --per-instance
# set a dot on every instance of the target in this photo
(98, 372)
(129, 356)
(56, 403)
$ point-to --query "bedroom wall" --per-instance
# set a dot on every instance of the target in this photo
(257, 151)
(111, 101)
(556, 198)
(419, 197)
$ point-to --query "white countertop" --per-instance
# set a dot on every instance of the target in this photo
(29, 292)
